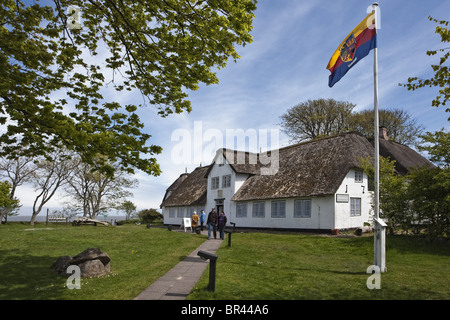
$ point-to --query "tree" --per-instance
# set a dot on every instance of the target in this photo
(17, 171)
(8, 204)
(430, 188)
(93, 192)
(52, 71)
(441, 78)
(429, 194)
(437, 144)
(49, 176)
(401, 127)
(128, 207)
(394, 204)
(315, 118)
(419, 201)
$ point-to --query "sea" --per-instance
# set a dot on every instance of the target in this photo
(25, 215)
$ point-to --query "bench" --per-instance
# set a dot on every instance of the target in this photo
(57, 218)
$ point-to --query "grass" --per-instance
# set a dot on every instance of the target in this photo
(258, 266)
(261, 266)
(139, 256)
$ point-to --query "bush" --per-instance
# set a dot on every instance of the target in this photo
(149, 215)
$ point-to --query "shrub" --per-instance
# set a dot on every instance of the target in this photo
(149, 215)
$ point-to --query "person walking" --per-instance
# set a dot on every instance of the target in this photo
(212, 223)
(195, 219)
(221, 224)
(202, 219)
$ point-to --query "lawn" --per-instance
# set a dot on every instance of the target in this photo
(138, 255)
(257, 266)
(261, 266)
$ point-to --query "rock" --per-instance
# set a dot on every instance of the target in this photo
(92, 263)
(92, 268)
(91, 254)
(61, 264)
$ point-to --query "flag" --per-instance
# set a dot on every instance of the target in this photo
(356, 46)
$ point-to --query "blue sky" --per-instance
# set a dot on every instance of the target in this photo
(286, 64)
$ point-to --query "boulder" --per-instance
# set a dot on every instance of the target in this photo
(61, 264)
(92, 263)
(92, 268)
(91, 254)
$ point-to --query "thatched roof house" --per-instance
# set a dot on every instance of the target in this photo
(316, 185)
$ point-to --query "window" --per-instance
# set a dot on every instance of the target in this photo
(355, 207)
(258, 210)
(172, 212)
(278, 209)
(215, 183)
(180, 212)
(226, 181)
(358, 176)
(241, 210)
(200, 208)
(302, 208)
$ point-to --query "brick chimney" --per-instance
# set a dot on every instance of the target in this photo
(383, 133)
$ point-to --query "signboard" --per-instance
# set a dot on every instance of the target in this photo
(186, 223)
(342, 198)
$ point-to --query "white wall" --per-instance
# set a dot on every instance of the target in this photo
(226, 193)
(353, 189)
(177, 220)
(321, 215)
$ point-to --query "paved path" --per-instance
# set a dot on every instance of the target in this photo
(179, 281)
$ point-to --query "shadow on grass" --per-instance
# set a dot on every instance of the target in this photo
(27, 277)
(404, 244)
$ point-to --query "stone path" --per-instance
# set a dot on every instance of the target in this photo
(179, 281)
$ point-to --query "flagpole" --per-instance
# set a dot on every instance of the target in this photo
(376, 125)
(380, 226)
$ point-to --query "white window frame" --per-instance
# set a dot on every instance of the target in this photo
(278, 209)
(355, 207)
(241, 210)
(259, 209)
(359, 176)
(172, 212)
(215, 183)
(302, 208)
(180, 213)
(226, 181)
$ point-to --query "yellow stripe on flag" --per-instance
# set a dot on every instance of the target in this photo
(359, 28)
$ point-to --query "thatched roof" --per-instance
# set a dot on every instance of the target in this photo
(311, 168)
(188, 190)
(239, 161)
(405, 158)
(175, 185)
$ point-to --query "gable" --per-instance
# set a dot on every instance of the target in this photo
(238, 161)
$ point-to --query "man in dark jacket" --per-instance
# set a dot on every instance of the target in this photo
(212, 223)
